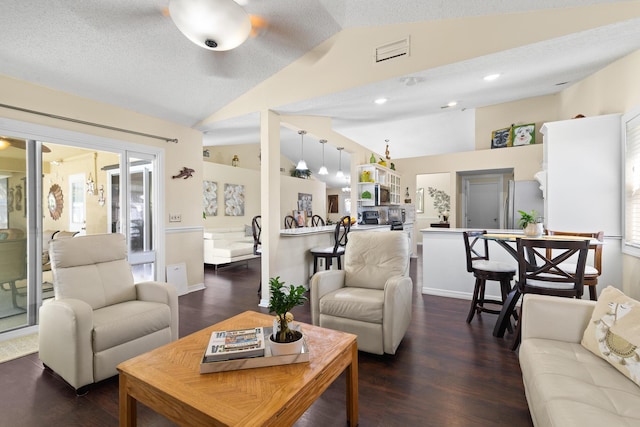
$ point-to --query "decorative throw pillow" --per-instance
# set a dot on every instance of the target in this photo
(248, 231)
(614, 332)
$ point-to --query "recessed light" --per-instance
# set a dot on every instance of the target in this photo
(380, 101)
(452, 104)
(491, 77)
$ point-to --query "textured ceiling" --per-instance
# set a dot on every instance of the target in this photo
(127, 53)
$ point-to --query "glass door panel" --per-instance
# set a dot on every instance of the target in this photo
(141, 213)
(14, 291)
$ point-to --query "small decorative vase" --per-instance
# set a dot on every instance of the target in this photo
(282, 348)
(533, 229)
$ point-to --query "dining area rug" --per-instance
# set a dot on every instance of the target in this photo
(18, 347)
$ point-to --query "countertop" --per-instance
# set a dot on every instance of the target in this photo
(304, 231)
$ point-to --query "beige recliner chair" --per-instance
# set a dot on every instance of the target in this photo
(99, 317)
(371, 297)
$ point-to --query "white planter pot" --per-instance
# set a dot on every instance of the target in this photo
(534, 230)
(282, 348)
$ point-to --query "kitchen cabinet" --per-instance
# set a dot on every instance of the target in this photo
(372, 180)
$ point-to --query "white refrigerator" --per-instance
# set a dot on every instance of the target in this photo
(522, 196)
(583, 161)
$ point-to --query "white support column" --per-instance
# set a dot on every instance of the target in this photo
(269, 197)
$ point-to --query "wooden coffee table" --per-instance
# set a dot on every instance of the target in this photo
(168, 380)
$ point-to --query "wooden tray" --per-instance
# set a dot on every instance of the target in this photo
(256, 362)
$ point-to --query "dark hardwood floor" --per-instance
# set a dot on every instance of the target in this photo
(445, 372)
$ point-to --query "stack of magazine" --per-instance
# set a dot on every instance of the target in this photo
(235, 344)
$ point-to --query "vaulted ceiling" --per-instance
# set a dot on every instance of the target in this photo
(316, 57)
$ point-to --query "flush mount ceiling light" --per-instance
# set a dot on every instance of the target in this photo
(380, 101)
(211, 24)
(323, 170)
(491, 77)
(340, 174)
(302, 165)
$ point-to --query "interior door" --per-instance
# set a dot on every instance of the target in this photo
(483, 203)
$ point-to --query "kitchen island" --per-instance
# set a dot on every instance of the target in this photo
(295, 262)
(444, 265)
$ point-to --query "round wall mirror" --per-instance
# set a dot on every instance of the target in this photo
(55, 201)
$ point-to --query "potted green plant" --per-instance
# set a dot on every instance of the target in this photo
(284, 339)
(531, 223)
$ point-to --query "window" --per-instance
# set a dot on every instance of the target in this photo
(631, 196)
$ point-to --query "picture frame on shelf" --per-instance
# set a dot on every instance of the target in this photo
(301, 217)
(523, 135)
(501, 138)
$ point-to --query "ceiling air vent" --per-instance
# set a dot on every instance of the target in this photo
(392, 50)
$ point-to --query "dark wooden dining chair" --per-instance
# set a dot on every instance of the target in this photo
(340, 238)
(290, 222)
(483, 269)
(317, 221)
(256, 229)
(545, 275)
(593, 269)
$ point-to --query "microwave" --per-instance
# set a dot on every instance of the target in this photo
(382, 195)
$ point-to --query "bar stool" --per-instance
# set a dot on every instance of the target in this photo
(317, 221)
(256, 230)
(337, 250)
(290, 222)
(483, 269)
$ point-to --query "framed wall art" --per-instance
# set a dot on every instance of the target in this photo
(305, 203)
(210, 198)
(332, 202)
(234, 200)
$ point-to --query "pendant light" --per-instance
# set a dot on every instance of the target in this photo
(340, 174)
(323, 170)
(211, 24)
(302, 165)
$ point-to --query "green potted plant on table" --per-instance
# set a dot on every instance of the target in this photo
(284, 339)
(531, 223)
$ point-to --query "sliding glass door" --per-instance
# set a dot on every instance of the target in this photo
(66, 186)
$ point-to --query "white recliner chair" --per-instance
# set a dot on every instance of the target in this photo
(99, 317)
(371, 297)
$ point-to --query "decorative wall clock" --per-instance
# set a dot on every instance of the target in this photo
(55, 201)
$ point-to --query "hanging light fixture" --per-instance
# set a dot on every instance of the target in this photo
(211, 24)
(302, 165)
(323, 170)
(340, 174)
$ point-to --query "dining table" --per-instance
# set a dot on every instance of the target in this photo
(507, 241)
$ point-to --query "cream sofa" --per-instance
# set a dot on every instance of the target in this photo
(565, 384)
(227, 245)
